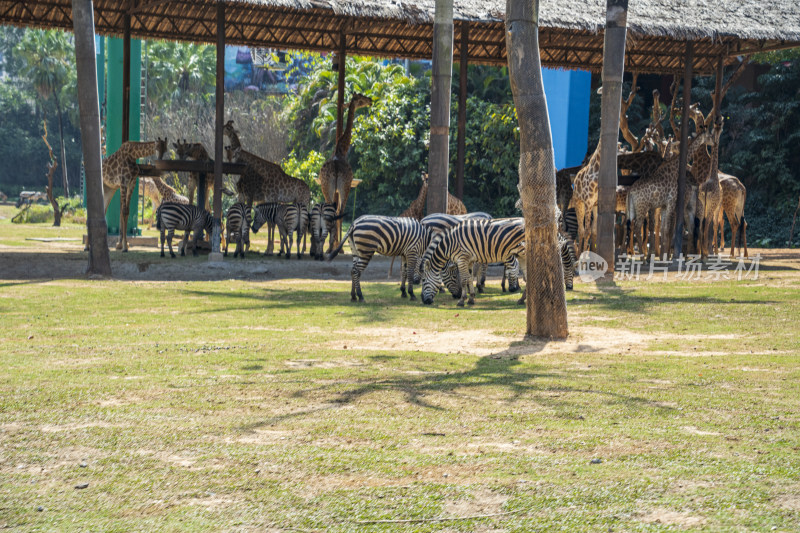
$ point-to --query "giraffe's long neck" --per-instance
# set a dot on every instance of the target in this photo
(232, 135)
(136, 150)
(163, 189)
(343, 143)
(418, 205)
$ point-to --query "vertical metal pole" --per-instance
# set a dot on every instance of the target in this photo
(683, 156)
(439, 154)
(462, 109)
(340, 87)
(126, 77)
(613, 70)
(216, 235)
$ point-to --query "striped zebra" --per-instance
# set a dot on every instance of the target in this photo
(473, 241)
(441, 223)
(237, 223)
(322, 220)
(289, 218)
(390, 236)
(171, 217)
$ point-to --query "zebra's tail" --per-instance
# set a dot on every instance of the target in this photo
(338, 249)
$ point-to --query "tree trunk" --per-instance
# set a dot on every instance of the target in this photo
(85, 59)
(438, 156)
(51, 169)
(547, 308)
(613, 69)
(65, 181)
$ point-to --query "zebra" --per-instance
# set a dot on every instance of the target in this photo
(238, 222)
(390, 236)
(441, 223)
(322, 220)
(288, 218)
(171, 217)
(472, 241)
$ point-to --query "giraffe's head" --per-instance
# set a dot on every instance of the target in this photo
(161, 147)
(359, 101)
(424, 178)
(181, 149)
(227, 129)
(696, 116)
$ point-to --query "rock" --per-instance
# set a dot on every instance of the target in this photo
(83, 464)
(40, 508)
(596, 461)
(82, 486)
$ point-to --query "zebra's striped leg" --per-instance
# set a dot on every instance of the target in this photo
(466, 282)
(227, 241)
(411, 262)
(403, 276)
(271, 237)
(162, 242)
(359, 264)
(170, 235)
(289, 242)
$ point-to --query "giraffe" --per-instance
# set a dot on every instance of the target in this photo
(658, 190)
(734, 194)
(195, 152)
(417, 207)
(167, 193)
(336, 176)
(709, 193)
(120, 172)
(264, 181)
(584, 196)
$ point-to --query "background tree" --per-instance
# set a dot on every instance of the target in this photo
(48, 62)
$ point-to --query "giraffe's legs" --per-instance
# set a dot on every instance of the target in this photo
(580, 216)
(271, 237)
(125, 193)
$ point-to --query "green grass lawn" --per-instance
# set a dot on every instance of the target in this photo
(279, 405)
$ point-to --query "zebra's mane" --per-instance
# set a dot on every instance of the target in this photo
(435, 240)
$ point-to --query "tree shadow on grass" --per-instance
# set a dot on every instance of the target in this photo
(502, 370)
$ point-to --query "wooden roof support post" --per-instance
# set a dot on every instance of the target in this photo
(216, 235)
(684, 152)
(85, 60)
(340, 87)
(438, 156)
(462, 109)
(613, 70)
(126, 76)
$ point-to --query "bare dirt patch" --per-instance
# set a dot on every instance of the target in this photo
(482, 502)
(672, 518)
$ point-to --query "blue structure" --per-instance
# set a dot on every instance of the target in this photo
(567, 93)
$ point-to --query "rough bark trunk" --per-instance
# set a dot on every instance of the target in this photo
(613, 70)
(438, 157)
(546, 304)
(85, 59)
(683, 156)
(216, 234)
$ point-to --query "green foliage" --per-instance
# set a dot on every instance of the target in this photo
(306, 169)
(180, 70)
(34, 214)
(491, 157)
(390, 148)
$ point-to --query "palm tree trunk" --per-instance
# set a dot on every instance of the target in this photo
(85, 59)
(547, 308)
(613, 69)
(65, 181)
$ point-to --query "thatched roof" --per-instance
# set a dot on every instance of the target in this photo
(571, 34)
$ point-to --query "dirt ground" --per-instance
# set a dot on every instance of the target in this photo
(59, 259)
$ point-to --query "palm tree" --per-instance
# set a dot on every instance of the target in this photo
(48, 57)
(547, 307)
(179, 70)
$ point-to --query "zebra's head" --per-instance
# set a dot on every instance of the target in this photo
(259, 219)
(431, 281)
